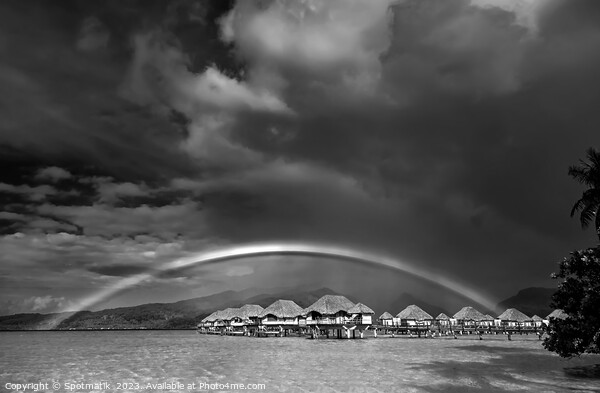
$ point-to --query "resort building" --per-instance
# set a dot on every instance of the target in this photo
(414, 316)
(328, 310)
(558, 314)
(215, 318)
(513, 318)
(360, 315)
(213, 321)
(442, 320)
(281, 312)
(468, 316)
(536, 322)
(207, 321)
(227, 316)
(245, 315)
(386, 319)
(489, 321)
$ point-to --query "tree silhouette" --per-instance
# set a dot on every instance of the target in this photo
(578, 295)
(588, 173)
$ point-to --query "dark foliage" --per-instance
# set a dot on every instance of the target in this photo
(579, 296)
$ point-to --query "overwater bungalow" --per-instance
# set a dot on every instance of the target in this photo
(360, 315)
(489, 321)
(513, 318)
(213, 322)
(386, 319)
(536, 322)
(328, 310)
(442, 320)
(246, 315)
(281, 313)
(206, 322)
(414, 315)
(214, 318)
(468, 317)
(558, 314)
(227, 316)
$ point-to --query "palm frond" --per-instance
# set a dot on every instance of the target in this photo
(578, 206)
(588, 173)
(593, 156)
(589, 197)
(588, 214)
(580, 173)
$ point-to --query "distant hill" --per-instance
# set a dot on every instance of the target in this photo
(302, 298)
(531, 301)
(186, 314)
(406, 299)
(183, 314)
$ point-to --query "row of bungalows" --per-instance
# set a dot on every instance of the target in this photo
(465, 317)
(338, 312)
(231, 318)
(328, 311)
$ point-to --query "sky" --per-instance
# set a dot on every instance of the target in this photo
(437, 132)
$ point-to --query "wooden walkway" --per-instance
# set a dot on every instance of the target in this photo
(374, 331)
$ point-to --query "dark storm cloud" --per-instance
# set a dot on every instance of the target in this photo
(477, 115)
(436, 131)
(62, 79)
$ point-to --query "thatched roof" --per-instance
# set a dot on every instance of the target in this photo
(413, 312)
(536, 318)
(558, 313)
(469, 314)
(282, 309)
(488, 317)
(215, 316)
(442, 316)
(512, 314)
(329, 305)
(229, 313)
(250, 311)
(386, 315)
(360, 308)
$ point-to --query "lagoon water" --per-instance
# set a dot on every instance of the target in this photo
(173, 358)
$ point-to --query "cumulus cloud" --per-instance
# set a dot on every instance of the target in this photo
(89, 257)
(36, 304)
(45, 303)
(159, 77)
(163, 221)
(34, 193)
(318, 38)
(110, 192)
(53, 174)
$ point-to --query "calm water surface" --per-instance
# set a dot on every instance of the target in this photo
(288, 364)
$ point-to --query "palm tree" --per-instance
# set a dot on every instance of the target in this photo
(588, 173)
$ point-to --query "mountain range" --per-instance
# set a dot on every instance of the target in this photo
(186, 314)
(531, 301)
